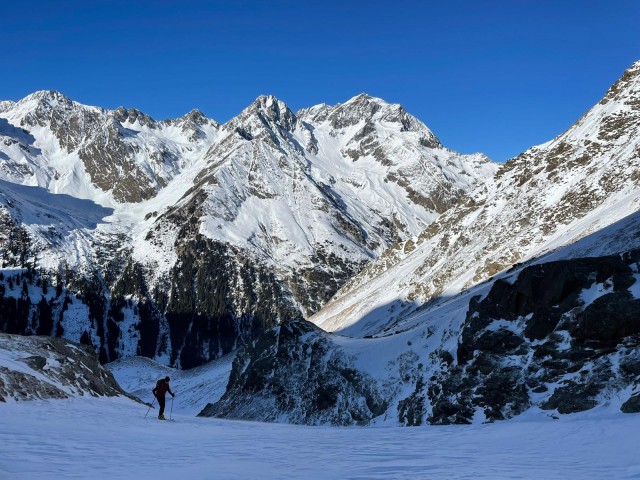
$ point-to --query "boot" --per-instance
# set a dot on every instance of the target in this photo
(161, 417)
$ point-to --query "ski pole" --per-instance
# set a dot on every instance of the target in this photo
(154, 401)
(171, 412)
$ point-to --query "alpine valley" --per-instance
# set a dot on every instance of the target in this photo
(356, 270)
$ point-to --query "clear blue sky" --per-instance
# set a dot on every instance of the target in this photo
(489, 76)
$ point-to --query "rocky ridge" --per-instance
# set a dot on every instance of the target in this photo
(38, 368)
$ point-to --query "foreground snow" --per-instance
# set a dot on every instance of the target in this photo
(109, 438)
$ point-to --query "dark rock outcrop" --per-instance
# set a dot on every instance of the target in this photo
(295, 372)
(541, 339)
(632, 405)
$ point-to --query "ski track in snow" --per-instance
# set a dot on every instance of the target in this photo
(110, 438)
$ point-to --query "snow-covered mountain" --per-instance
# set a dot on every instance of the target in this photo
(182, 238)
(88, 152)
(548, 197)
(523, 297)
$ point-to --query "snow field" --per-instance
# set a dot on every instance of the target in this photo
(109, 438)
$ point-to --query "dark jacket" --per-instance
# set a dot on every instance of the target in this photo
(162, 387)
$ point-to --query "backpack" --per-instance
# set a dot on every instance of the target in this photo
(156, 391)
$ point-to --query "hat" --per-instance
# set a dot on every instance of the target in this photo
(166, 379)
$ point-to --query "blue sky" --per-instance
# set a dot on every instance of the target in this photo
(489, 76)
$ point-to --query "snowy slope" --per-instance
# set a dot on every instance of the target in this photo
(550, 196)
(108, 438)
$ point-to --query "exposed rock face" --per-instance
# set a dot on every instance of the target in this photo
(220, 300)
(632, 405)
(294, 373)
(529, 342)
(554, 338)
(34, 368)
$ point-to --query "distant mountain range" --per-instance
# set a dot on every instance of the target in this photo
(183, 239)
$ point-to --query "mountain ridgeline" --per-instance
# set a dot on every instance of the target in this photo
(362, 272)
(183, 239)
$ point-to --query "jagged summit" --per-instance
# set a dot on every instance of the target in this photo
(626, 86)
(195, 125)
(266, 111)
(365, 111)
(46, 96)
(197, 117)
(133, 116)
(46, 106)
(6, 105)
(365, 98)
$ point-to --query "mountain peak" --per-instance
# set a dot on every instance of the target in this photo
(195, 115)
(132, 115)
(365, 98)
(49, 97)
(193, 118)
(194, 124)
(266, 99)
(6, 105)
(364, 107)
(269, 111)
(624, 86)
(272, 106)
